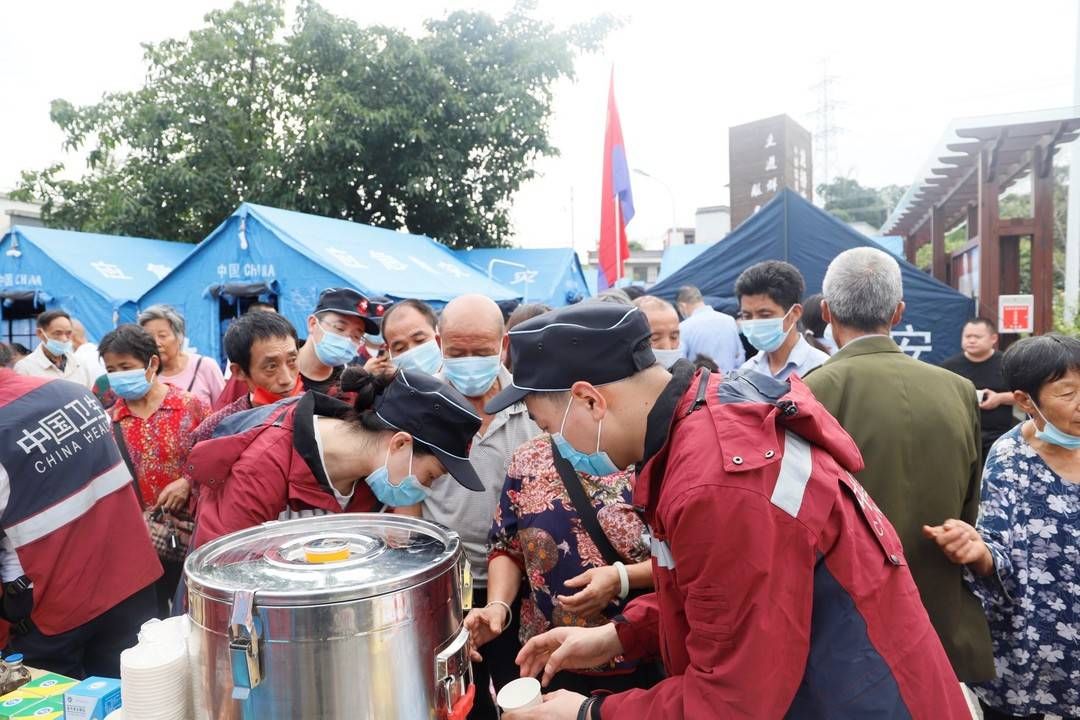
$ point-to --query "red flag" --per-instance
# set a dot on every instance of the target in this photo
(617, 202)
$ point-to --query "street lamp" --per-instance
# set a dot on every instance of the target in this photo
(671, 195)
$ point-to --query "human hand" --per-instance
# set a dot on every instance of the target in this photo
(991, 400)
(961, 544)
(484, 625)
(600, 586)
(568, 648)
(380, 365)
(559, 705)
(174, 496)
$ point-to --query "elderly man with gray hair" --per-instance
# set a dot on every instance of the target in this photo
(917, 427)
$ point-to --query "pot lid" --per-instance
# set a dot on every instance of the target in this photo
(317, 560)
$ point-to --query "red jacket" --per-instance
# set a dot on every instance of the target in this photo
(268, 472)
(781, 590)
(68, 509)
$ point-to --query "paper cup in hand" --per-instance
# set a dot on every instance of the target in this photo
(519, 694)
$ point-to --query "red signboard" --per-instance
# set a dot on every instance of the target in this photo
(1016, 313)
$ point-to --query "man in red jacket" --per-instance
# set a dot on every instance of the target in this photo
(781, 589)
(76, 560)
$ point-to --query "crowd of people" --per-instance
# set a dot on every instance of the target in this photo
(668, 511)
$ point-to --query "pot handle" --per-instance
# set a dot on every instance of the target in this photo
(454, 679)
(244, 645)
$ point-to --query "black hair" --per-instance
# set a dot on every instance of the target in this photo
(781, 281)
(5, 355)
(367, 388)
(1031, 363)
(130, 340)
(812, 319)
(704, 361)
(19, 349)
(251, 327)
(990, 325)
(634, 292)
(418, 305)
(46, 318)
(260, 306)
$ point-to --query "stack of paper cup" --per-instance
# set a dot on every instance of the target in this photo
(154, 675)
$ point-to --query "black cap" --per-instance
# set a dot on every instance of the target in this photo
(596, 342)
(346, 301)
(437, 416)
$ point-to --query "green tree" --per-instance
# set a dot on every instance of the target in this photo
(851, 202)
(433, 134)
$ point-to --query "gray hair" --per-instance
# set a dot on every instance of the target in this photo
(166, 313)
(611, 295)
(645, 302)
(863, 286)
(689, 295)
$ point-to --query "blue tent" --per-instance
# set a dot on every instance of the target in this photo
(548, 275)
(676, 256)
(86, 274)
(790, 228)
(289, 257)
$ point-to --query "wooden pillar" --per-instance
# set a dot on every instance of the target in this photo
(989, 247)
(973, 222)
(911, 247)
(1010, 265)
(1042, 240)
(937, 241)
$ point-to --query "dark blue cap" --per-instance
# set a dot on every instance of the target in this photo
(599, 343)
(437, 416)
(346, 301)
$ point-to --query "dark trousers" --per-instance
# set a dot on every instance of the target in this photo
(990, 713)
(165, 587)
(92, 648)
(644, 676)
(498, 666)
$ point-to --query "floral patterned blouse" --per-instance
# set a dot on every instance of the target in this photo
(537, 526)
(1029, 518)
(159, 444)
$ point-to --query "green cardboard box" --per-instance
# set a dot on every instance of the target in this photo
(48, 709)
(15, 702)
(49, 684)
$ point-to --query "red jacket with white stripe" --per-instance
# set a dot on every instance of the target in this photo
(67, 507)
(781, 589)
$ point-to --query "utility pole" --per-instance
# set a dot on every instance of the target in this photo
(827, 130)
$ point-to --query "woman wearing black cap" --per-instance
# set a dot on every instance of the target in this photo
(317, 455)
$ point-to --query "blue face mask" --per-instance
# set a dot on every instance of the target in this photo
(597, 463)
(58, 347)
(373, 339)
(408, 492)
(765, 335)
(129, 384)
(667, 358)
(1054, 435)
(473, 376)
(334, 350)
(427, 358)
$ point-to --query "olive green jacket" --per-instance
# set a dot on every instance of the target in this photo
(917, 427)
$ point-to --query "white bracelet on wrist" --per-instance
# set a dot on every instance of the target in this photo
(509, 612)
(624, 580)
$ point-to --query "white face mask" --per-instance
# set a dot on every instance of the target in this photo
(667, 358)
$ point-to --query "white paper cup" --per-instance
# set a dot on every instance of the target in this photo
(519, 694)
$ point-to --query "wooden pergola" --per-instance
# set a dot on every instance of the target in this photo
(977, 160)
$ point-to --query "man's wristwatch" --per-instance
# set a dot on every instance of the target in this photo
(590, 709)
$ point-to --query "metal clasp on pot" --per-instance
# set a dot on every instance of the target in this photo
(454, 679)
(244, 645)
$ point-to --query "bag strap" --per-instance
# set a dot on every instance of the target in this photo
(118, 434)
(195, 375)
(584, 507)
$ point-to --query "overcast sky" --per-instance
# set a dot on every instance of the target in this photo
(685, 70)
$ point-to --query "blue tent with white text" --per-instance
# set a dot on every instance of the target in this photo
(287, 258)
(790, 228)
(548, 275)
(89, 275)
